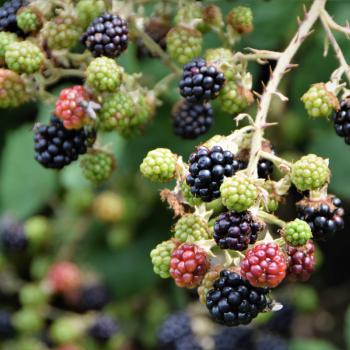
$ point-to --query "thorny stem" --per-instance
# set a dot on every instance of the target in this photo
(282, 66)
(333, 25)
(261, 56)
(338, 52)
(163, 84)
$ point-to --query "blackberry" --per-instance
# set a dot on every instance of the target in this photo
(281, 320)
(191, 120)
(103, 329)
(234, 338)
(188, 342)
(341, 120)
(200, 82)
(265, 168)
(6, 327)
(207, 171)
(233, 230)
(235, 301)
(12, 235)
(106, 36)
(56, 147)
(270, 341)
(93, 298)
(8, 11)
(176, 326)
(325, 217)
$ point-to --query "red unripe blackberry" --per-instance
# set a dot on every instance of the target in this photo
(301, 261)
(233, 230)
(71, 107)
(264, 265)
(325, 216)
(235, 301)
(64, 277)
(56, 147)
(188, 265)
(191, 120)
(341, 120)
(207, 171)
(106, 36)
(200, 82)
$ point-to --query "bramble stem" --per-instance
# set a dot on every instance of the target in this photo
(271, 219)
(282, 66)
(261, 56)
(333, 25)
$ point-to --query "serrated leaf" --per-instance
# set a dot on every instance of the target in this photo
(24, 185)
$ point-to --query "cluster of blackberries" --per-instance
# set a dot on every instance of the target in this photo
(200, 82)
(208, 169)
(12, 235)
(8, 12)
(341, 120)
(234, 301)
(106, 36)
(324, 218)
(191, 120)
(56, 147)
(233, 230)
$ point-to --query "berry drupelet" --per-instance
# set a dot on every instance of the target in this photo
(325, 217)
(191, 120)
(208, 169)
(233, 230)
(56, 147)
(341, 120)
(200, 82)
(8, 10)
(103, 329)
(107, 36)
(235, 301)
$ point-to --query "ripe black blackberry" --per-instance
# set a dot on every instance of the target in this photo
(265, 168)
(93, 298)
(103, 328)
(191, 120)
(341, 120)
(188, 342)
(107, 36)
(13, 236)
(175, 327)
(270, 341)
(8, 12)
(234, 338)
(207, 171)
(234, 301)
(56, 147)
(233, 230)
(281, 320)
(6, 328)
(325, 217)
(200, 82)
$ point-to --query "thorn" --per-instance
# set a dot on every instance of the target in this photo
(290, 67)
(257, 94)
(299, 21)
(267, 125)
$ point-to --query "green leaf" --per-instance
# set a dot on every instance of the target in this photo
(310, 344)
(24, 185)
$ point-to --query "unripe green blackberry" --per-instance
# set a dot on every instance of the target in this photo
(161, 256)
(6, 39)
(66, 329)
(12, 89)
(29, 343)
(238, 193)
(29, 19)
(28, 320)
(212, 17)
(310, 173)
(88, 10)
(319, 101)
(24, 57)
(188, 197)
(183, 43)
(191, 228)
(62, 32)
(190, 13)
(234, 98)
(97, 166)
(159, 165)
(32, 295)
(207, 283)
(297, 232)
(240, 19)
(104, 75)
(79, 200)
(37, 229)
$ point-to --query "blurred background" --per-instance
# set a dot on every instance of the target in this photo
(115, 248)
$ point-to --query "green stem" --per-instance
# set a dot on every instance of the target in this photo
(163, 84)
(271, 219)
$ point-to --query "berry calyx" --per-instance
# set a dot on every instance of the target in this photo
(240, 19)
(159, 165)
(64, 277)
(310, 172)
(234, 301)
(264, 265)
(161, 256)
(188, 265)
(200, 82)
(233, 230)
(238, 193)
(341, 120)
(191, 228)
(297, 232)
